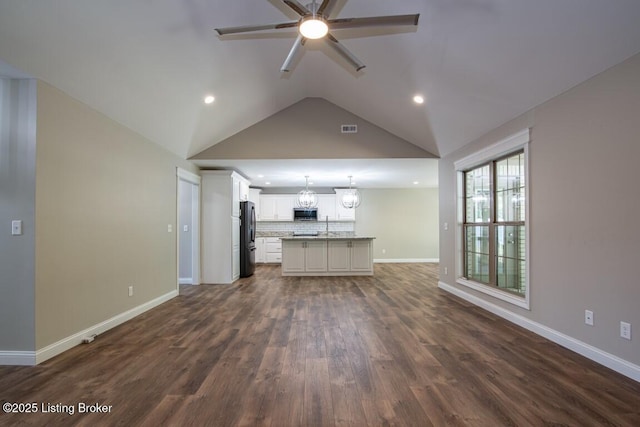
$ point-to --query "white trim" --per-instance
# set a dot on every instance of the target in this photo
(602, 357)
(403, 260)
(185, 281)
(494, 292)
(18, 358)
(510, 143)
(195, 235)
(71, 341)
(188, 176)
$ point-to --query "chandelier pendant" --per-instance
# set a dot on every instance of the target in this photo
(307, 199)
(351, 197)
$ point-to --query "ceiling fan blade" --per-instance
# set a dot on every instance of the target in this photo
(373, 21)
(250, 28)
(326, 7)
(294, 53)
(344, 52)
(300, 9)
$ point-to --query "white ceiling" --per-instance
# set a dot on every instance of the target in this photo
(479, 63)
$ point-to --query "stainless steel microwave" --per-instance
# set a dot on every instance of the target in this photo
(302, 214)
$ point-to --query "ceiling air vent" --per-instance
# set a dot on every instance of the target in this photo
(349, 129)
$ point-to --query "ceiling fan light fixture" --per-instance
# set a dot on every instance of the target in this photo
(313, 27)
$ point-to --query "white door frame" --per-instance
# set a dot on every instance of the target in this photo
(191, 178)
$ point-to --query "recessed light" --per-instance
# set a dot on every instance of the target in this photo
(310, 183)
(418, 99)
(267, 183)
(209, 99)
(260, 176)
(415, 183)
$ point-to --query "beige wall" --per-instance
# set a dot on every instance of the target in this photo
(584, 159)
(104, 198)
(310, 129)
(403, 221)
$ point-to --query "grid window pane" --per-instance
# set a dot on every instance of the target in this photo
(478, 267)
(510, 189)
(478, 194)
(510, 260)
(477, 248)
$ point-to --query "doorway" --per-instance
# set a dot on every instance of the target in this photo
(188, 228)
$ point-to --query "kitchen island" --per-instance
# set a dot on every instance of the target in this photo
(327, 255)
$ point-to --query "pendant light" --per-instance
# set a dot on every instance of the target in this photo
(307, 199)
(351, 197)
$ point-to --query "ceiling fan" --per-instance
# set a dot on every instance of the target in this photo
(314, 23)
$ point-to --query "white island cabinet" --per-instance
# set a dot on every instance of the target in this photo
(304, 256)
(222, 192)
(327, 256)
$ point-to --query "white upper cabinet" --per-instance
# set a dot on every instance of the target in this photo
(277, 207)
(243, 190)
(254, 196)
(326, 207)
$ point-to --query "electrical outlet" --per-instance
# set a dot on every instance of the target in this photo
(625, 330)
(384, 251)
(169, 228)
(446, 271)
(588, 317)
(446, 226)
(130, 291)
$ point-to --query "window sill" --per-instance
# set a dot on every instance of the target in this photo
(495, 292)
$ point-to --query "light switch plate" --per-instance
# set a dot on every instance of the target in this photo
(16, 227)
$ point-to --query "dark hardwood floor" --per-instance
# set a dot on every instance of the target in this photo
(391, 349)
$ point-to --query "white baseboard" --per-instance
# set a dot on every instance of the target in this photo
(65, 344)
(404, 260)
(22, 358)
(185, 281)
(602, 357)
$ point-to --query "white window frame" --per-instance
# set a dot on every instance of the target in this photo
(515, 142)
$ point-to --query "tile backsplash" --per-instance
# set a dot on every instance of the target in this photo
(305, 226)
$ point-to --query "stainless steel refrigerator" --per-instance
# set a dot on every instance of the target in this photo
(247, 238)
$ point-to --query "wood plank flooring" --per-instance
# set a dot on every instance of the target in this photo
(391, 349)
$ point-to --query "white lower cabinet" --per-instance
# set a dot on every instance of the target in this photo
(304, 256)
(361, 255)
(260, 250)
(350, 256)
(327, 257)
(273, 250)
(316, 256)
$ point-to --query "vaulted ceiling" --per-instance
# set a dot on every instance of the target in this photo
(478, 63)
